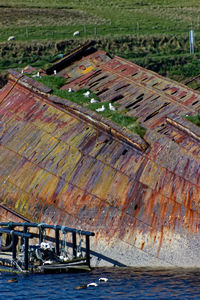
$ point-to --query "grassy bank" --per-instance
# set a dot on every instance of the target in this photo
(164, 54)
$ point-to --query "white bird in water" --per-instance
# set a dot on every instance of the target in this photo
(103, 279)
(86, 94)
(92, 284)
(93, 100)
(101, 108)
(70, 90)
(111, 107)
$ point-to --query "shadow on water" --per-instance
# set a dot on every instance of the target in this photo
(123, 283)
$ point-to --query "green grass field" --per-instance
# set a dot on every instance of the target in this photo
(152, 33)
(59, 19)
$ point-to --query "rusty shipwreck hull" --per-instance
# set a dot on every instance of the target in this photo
(63, 164)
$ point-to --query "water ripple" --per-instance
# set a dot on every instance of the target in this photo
(123, 283)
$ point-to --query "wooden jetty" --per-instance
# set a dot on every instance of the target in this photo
(26, 247)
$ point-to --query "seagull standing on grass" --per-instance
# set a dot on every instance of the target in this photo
(111, 107)
(86, 94)
(101, 108)
(93, 100)
(37, 75)
(70, 90)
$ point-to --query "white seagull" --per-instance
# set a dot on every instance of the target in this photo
(92, 284)
(103, 279)
(111, 107)
(101, 108)
(93, 100)
(70, 90)
(37, 75)
(86, 94)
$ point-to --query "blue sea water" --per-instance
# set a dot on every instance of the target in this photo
(123, 283)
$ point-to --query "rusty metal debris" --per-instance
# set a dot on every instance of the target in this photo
(65, 164)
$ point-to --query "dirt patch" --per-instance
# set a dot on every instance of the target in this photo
(44, 17)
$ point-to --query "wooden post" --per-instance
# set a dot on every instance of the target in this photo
(40, 234)
(74, 244)
(26, 253)
(87, 241)
(25, 228)
(22, 238)
(26, 244)
(57, 241)
(13, 245)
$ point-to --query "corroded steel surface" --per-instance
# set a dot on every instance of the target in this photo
(143, 93)
(8, 214)
(63, 164)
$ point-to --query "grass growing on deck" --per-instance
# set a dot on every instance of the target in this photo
(76, 97)
(194, 119)
(53, 82)
(118, 117)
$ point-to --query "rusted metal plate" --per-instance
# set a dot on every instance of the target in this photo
(129, 86)
(72, 167)
(84, 65)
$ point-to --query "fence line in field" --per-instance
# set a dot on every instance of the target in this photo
(91, 31)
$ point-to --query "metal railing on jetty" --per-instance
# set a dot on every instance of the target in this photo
(8, 228)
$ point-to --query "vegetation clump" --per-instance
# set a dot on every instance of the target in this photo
(169, 59)
(119, 117)
(194, 119)
(53, 82)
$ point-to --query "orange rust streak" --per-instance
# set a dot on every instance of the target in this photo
(154, 239)
(191, 220)
(160, 242)
(142, 246)
(150, 205)
(172, 218)
(163, 212)
(153, 220)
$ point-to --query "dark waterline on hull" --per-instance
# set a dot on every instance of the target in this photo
(123, 283)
